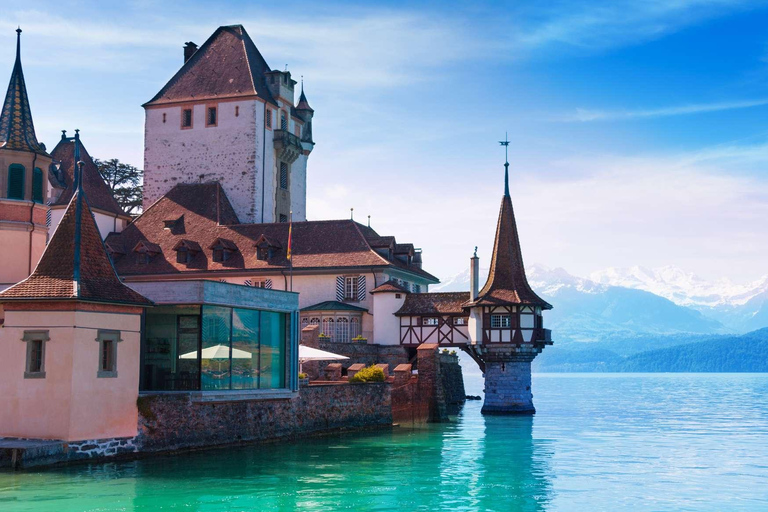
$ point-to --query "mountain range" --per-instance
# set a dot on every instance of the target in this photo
(618, 313)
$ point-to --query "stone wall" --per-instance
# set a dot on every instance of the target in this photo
(452, 382)
(367, 354)
(177, 421)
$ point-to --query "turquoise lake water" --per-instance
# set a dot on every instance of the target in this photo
(598, 442)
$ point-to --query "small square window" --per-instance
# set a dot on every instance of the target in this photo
(182, 256)
(186, 118)
(211, 118)
(500, 322)
(108, 341)
(431, 321)
(283, 218)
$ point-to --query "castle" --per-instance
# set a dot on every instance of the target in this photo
(222, 258)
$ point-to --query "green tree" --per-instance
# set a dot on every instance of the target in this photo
(124, 180)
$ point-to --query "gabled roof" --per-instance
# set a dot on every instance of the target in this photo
(333, 305)
(448, 303)
(507, 283)
(17, 131)
(99, 195)
(390, 286)
(316, 245)
(75, 266)
(225, 244)
(189, 245)
(228, 65)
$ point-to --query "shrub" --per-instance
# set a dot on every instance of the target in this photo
(303, 376)
(369, 374)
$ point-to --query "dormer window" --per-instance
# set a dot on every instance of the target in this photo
(266, 248)
(186, 250)
(222, 250)
(145, 251)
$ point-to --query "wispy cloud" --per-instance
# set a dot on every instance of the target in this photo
(604, 25)
(587, 115)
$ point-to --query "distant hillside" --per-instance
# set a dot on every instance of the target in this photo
(745, 353)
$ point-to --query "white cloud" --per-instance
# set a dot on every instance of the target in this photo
(585, 115)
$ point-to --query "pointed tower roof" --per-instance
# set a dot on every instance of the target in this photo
(75, 265)
(507, 284)
(99, 195)
(228, 65)
(17, 132)
(303, 103)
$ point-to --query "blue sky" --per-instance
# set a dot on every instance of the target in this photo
(639, 129)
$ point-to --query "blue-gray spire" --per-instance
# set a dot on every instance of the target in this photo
(505, 143)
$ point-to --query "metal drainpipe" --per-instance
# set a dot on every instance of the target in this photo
(264, 160)
(31, 217)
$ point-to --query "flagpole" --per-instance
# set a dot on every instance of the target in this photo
(290, 243)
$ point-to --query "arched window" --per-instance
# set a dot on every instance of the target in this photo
(16, 181)
(354, 327)
(315, 321)
(37, 185)
(304, 322)
(328, 326)
(342, 330)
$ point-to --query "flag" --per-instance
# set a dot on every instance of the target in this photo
(290, 229)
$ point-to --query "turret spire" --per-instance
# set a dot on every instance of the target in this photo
(505, 143)
(17, 131)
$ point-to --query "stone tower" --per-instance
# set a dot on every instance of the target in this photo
(505, 322)
(227, 116)
(24, 164)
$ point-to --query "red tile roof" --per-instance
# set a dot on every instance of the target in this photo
(227, 65)
(75, 266)
(507, 283)
(99, 195)
(315, 244)
(390, 286)
(448, 303)
(17, 131)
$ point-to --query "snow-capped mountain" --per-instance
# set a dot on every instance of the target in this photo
(684, 288)
(628, 302)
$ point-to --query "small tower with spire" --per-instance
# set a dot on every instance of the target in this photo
(505, 324)
(24, 164)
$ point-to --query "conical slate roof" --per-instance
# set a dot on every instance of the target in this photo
(507, 284)
(17, 132)
(227, 65)
(75, 265)
(303, 103)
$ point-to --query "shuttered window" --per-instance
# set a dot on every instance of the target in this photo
(16, 182)
(283, 175)
(37, 185)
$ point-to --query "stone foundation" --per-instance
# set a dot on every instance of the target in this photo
(508, 387)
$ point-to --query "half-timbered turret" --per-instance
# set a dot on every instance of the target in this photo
(505, 321)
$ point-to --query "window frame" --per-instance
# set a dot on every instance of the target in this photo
(501, 317)
(430, 321)
(208, 109)
(353, 280)
(38, 186)
(268, 119)
(191, 124)
(282, 175)
(30, 337)
(113, 337)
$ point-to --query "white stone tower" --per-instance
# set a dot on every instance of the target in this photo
(226, 116)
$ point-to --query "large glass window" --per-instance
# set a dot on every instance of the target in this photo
(171, 348)
(245, 348)
(273, 335)
(213, 349)
(215, 362)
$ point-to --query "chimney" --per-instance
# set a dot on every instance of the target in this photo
(189, 50)
(474, 271)
(417, 258)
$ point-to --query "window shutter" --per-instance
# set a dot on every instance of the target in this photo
(16, 182)
(340, 288)
(361, 288)
(268, 284)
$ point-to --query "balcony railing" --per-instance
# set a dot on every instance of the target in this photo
(287, 145)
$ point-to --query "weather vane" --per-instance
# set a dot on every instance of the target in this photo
(505, 143)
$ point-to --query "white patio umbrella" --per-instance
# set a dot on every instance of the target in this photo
(218, 352)
(315, 354)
